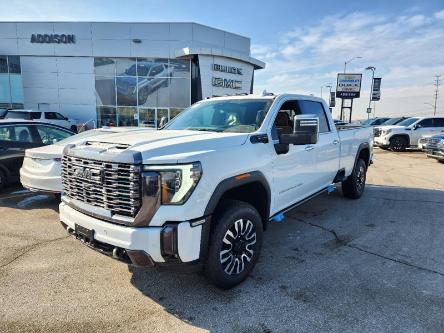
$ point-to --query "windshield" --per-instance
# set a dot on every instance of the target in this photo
(407, 122)
(83, 135)
(240, 116)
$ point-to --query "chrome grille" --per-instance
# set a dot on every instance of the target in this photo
(115, 187)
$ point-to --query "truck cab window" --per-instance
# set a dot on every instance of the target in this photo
(316, 108)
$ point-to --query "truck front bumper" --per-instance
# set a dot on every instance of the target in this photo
(142, 246)
(381, 141)
(436, 154)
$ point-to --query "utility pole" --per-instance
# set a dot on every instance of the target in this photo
(437, 83)
(371, 68)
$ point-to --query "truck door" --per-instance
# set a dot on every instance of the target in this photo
(294, 174)
(423, 127)
(327, 149)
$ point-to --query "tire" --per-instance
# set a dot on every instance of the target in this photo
(353, 187)
(231, 259)
(398, 143)
(3, 180)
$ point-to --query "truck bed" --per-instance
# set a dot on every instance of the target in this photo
(351, 137)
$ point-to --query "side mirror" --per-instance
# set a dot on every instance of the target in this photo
(305, 131)
(416, 126)
(162, 122)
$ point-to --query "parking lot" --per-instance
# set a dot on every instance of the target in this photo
(333, 264)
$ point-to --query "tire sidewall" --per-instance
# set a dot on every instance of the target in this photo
(225, 221)
(355, 177)
(2, 180)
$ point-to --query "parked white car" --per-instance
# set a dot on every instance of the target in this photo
(49, 117)
(202, 189)
(407, 133)
(41, 166)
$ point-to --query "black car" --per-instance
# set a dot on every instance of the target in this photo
(435, 147)
(16, 137)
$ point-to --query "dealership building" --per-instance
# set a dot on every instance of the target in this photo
(124, 74)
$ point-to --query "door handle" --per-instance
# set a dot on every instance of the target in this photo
(335, 142)
(308, 148)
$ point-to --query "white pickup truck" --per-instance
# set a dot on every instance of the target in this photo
(203, 189)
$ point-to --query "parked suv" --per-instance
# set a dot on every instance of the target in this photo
(203, 189)
(49, 117)
(407, 133)
(435, 147)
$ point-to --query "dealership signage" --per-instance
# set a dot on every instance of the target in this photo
(226, 83)
(348, 86)
(227, 69)
(53, 38)
(376, 92)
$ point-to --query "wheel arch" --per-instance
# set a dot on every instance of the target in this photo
(403, 135)
(251, 187)
(364, 153)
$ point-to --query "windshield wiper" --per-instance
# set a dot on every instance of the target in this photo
(204, 129)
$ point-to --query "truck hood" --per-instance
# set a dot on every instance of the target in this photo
(45, 152)
(392, 127)
(164, 146)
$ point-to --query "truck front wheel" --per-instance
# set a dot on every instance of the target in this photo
(235, 244)
(354, 185)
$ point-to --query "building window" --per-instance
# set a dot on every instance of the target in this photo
(11, 86)
(141, 90)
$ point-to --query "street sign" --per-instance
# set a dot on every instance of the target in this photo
(369, 110)
(332, 99)
(348, 86)
(376, 93)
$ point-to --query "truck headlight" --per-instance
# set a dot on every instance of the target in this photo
(177, 182)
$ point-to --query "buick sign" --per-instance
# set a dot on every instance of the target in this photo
(53, 38)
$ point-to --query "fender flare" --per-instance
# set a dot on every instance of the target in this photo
(362, 146)
(237, 181)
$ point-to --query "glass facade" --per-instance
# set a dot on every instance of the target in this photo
(11, 86)
(141, 91)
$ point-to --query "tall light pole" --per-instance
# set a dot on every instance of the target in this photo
(371, 68)
(349, 61)
(437, 82)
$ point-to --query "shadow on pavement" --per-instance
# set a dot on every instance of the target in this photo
(371, 264)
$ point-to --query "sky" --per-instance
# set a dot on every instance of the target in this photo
(303, 43)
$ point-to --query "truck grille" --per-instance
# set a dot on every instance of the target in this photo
(115, 187)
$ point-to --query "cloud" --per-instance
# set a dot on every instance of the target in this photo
(406, 49)
(439, 15)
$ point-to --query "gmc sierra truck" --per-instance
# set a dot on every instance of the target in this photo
(203, 189)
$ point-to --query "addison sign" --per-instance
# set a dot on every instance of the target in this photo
(53, 38)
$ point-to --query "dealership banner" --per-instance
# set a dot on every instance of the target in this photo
(332, 99)
(348, 86)
(376, 92)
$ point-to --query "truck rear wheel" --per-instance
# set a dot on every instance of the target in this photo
(398, 143)
(235, 244)
(354, 185)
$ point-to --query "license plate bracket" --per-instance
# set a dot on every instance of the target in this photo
(84, 233)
